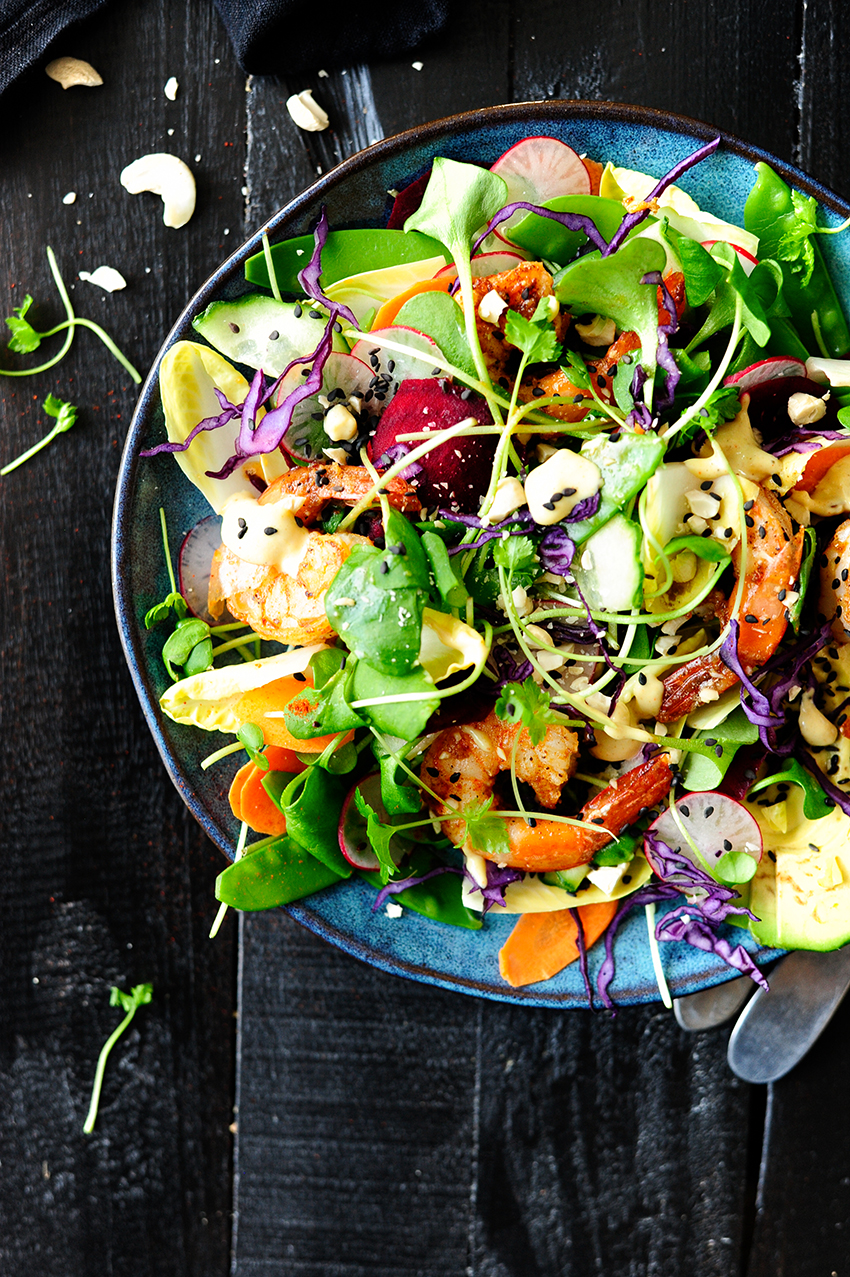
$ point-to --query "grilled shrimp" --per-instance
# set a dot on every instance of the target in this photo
(461, 766)
(521, 289)
(774, 555)
(834, 601)
(283, 599)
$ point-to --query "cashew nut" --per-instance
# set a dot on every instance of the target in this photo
(105, 277)
(306, 113)
(164, 175)
(71, 71)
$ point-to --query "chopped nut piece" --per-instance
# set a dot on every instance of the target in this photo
(70, 72)
(105, 277)
(307, 113)
(167, 176)
(805, 410)
(171, 87)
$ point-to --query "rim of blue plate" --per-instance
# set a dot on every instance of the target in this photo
(528, 114)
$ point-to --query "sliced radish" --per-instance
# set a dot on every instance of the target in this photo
(718, 826)
(194, 564)
(747, 260)
(389, 368)
(485, 264)
(353, 842)
(538, 169)
(772, 369)
(342, 377)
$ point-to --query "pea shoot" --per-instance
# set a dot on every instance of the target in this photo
(66, 416)
(139, 995)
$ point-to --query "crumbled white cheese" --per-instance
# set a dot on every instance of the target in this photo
(337, 454)
(560, 483)
(491, 307)
(510, 496)
(607, 877)
(171, 87)
(417, 66)
(70, 198)
(307, 113)
(599, 332)
(394, 910)
(339, 423)
(105, 277)
(805, 410)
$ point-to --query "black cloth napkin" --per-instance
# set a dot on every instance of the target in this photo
(271, 37)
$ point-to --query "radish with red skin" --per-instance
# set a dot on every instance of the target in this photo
(353, 842)
(454, 475)
(717, 825)
(539, 169)
(746, 259)
(342, 377)
(194, 564)
(773, 369)
(389, 368)
(484, 264)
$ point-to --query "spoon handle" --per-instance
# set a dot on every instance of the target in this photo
(776, 1029)
(710, 1007)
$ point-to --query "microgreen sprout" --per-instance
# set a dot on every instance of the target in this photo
(65, 414)
(139, 995)
(25, 339)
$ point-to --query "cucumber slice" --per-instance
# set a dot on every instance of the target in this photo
(608, 567)
(261, 332)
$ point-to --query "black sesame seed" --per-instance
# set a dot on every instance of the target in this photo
(782, 594)
(727, 532)
(709, 811)
(748, 505)
(454, 778)
(270, 532)
(298, 312)
(432, 771)
(762, 532)
(750, 619)
(750, 522)
(727, 846)
(642, 679)
(771, 855)
(686, 811)
(706, 484)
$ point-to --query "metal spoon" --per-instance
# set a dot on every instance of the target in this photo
(776, 1030)
(710, 1007)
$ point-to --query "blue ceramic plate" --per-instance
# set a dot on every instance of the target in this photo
(355, 194)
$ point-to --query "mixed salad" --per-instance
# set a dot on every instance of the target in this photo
(527, 576)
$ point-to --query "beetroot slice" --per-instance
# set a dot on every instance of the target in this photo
(456, 474)
(407, 202)
(768, 410)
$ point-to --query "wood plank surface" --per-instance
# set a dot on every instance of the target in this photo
(384, 1128)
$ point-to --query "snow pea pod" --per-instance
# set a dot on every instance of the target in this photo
(769, 213)
(275, 875)
(346, 253)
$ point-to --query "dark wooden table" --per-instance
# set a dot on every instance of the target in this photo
(280, 1108)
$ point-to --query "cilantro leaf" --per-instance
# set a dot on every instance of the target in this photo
(795, 246)
(528, 704)
(515, 554)
(379, 835)
(139, 995)
(24, 338)
(535, 338)
(487, 834)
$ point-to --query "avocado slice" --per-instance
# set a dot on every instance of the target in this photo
(801, 890)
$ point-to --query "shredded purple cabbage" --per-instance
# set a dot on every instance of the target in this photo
(393, 888)
(581, 945)
(766, 711)
(801, 440)
(631, 220)
(394, 453)
(497, 880)
(510, 670)
(309, 277)
(228, 412)
(556, 550)
(640, 414)
(663, 357)
(710, 904)
(572, 222)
